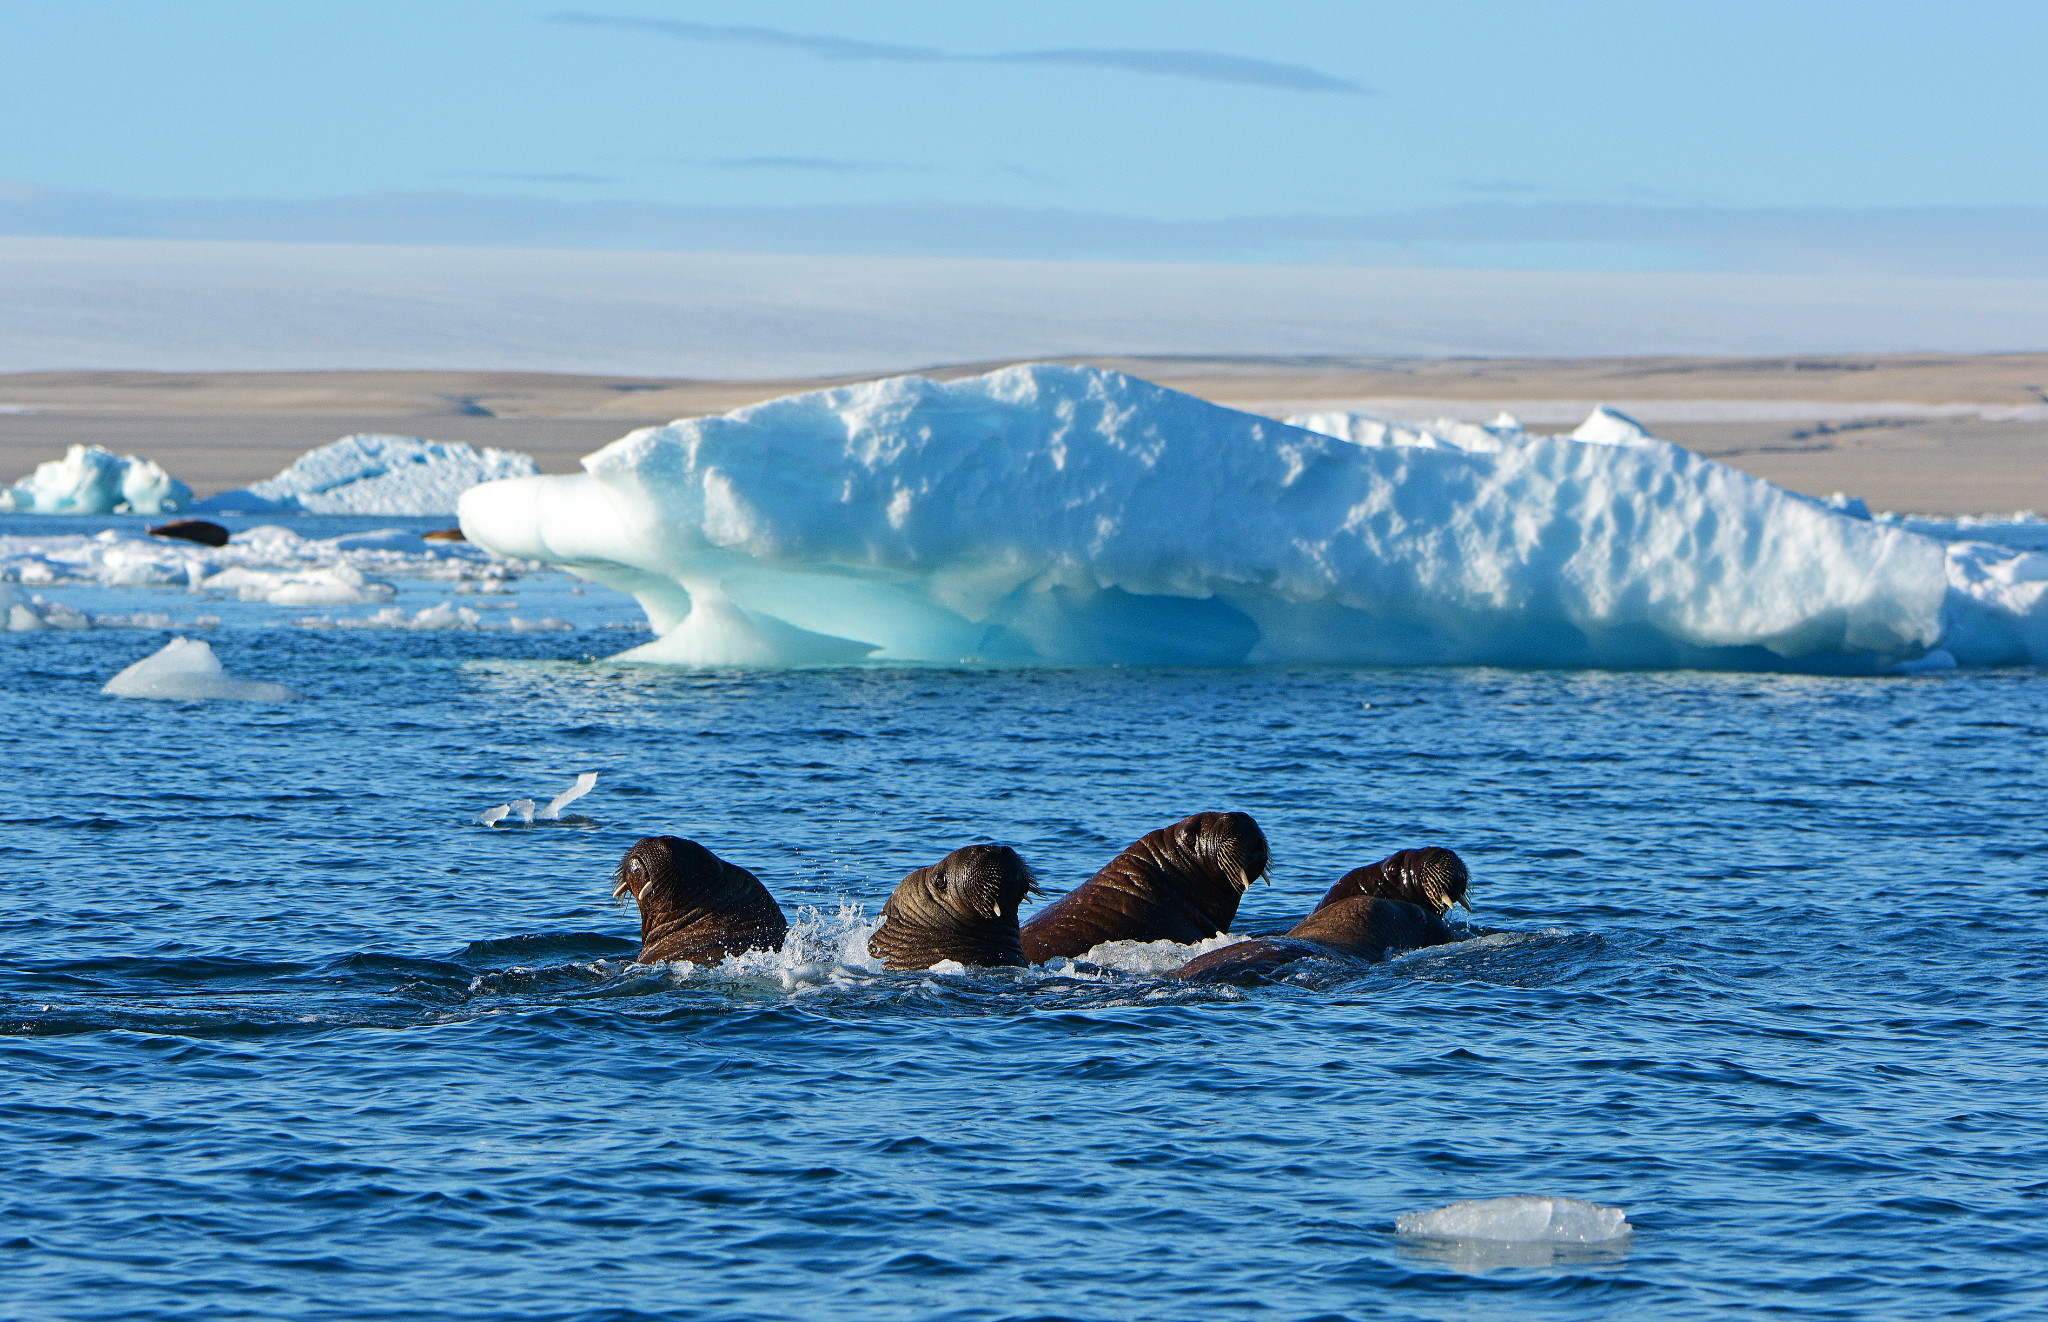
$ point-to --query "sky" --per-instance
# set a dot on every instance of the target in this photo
(1181, 114)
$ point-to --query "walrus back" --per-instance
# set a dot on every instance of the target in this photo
(1179, 883)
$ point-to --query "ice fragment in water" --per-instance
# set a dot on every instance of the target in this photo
(95, 480)
(187, 670)
(1521, 1219)
(492, 816)
(584, 784)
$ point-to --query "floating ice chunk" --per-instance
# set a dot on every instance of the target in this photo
(375, 474)
(1521, 1219)
(335, 585)
(95, 480)
(1065, 515)
(187, 670)
(584, 784)
(526, 811)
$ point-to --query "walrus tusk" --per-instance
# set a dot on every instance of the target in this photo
(1465, 904)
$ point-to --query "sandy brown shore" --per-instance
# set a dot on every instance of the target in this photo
(1858, 425)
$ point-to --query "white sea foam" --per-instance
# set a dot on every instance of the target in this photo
(187, 670)
(94, 480)
(1067, 515)
(1520, 1219)
(370, 473)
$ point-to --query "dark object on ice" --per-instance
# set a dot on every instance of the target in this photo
(694, 905)
(193, 530)
(963, 907)
(1432, 878)
(444, 535)
(1359, 926)
(1179, 883)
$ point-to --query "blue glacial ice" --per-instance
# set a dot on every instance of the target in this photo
(375, 474)
(94, 480)
(1066, 515)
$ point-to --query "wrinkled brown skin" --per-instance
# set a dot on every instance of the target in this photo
(193, 530)
(1179, 883)
(694, 905)
(1431, 878)
(1362, 927)
(963, 907)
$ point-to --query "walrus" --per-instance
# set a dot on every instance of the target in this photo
(193, 530)
(963, 907)
(694, 905)
(1431, 878)
(1363, 927)
(1179, 883)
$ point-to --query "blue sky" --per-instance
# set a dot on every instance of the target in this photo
(1169, 112)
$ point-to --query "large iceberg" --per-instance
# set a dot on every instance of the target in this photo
(91, 479)
(1065, 515)
(374, 474)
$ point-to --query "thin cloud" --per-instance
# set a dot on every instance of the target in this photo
(1205, 66)
(534, 178)
(821, 164)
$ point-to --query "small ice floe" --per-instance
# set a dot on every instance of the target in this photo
(525, 811)
(95, 480)
(340, 584)
(186, 670)
(447, 615)
(1520, 1219)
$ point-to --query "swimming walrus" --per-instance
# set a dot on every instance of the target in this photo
(963, 908)
(694, 905)
(1395, 904)
(1360, 926)
(1179, 883)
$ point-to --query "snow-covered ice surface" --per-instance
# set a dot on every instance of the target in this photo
(1064, 515)
(1519, 1219)
(186, 670)
(94, 480)
(370, 473)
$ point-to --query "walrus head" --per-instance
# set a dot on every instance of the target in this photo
(693, 904)
(1430, 878)
(963, 907)
(1179, 883)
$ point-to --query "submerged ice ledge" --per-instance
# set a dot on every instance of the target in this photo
(1065, 515)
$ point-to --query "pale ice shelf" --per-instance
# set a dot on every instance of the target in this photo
(186, 670)
(370, 473)
(1520, 1219)
(93, 480)
(1070, 516)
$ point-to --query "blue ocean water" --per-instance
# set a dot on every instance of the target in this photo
(283, 1032)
